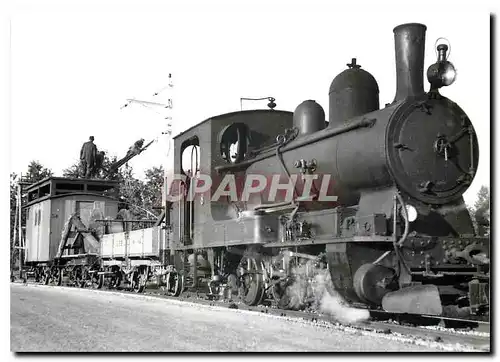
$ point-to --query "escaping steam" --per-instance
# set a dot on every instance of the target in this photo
(331, 303)
(314, 285)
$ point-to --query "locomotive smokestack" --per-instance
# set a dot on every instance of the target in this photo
(410, 50)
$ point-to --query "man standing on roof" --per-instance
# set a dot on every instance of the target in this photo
(88, 155)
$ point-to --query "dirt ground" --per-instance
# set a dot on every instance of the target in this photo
(69, 319)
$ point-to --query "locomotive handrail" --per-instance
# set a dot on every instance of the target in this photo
(120, 220)
(264, 148)
(315, 137)
(268, 206)
(397, 243)
(405, 217)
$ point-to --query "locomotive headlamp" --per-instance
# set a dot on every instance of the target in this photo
(442, 73)
(412, 213)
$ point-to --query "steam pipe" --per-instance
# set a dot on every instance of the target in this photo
(409, 42)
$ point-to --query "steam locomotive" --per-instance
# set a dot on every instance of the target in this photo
(394, 234)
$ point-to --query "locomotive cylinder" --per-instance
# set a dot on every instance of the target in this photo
(410, 50)
(309, 117)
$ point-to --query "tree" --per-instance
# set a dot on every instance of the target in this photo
(131, 192)
(73, 171)
(141, 197)
(472, 212)
(153, 187)
(483, 198)
(482, 211)
(36, 172)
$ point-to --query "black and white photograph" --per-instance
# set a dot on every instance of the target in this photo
(248, 176)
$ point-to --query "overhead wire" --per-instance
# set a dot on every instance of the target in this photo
(169, 106)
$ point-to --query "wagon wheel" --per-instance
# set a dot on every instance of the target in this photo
(175, 283)
(56, 276)
(115, 280)
(37, 275)
(53, 276)
(96, 281)
(46, 277)
(251, 281)
(81, 282)
(139, 281)
(72, 276)
(85, 278)
(78, 275)
(59, 276)
(91, 279)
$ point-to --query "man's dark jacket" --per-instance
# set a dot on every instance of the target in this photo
(88, 152)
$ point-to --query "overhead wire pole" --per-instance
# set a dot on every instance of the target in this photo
(170, 106)
(19, 240)
(20, 231)
(14, 240)
(165, 215)
(153, 106)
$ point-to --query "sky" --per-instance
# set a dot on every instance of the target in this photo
(72, 68)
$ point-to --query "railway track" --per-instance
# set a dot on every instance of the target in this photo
(477, 336)
(473, 334)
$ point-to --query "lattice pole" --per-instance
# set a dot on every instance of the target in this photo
(14, 240)
(20, 231)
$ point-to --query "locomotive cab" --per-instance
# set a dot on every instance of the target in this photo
(224, 140)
